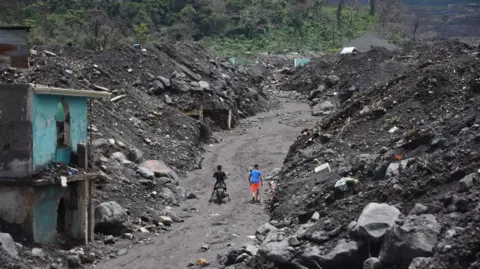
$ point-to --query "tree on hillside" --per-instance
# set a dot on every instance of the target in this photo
(339, 13)
(297, 22)
(46, 21)
(7, 12)
(372, 7)
(390, 11)
(415, 26)
(141, 31)
(418, 19)
(101, 29)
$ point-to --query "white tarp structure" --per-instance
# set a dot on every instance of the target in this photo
(348, 50)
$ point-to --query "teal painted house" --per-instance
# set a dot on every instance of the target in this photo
(297, 62)
(41, 127)
(48, 110)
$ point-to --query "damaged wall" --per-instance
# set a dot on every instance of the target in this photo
(47, 200)
(45, 218)
(35, 210)
(16, 207)
(15, 131)
(45, 130)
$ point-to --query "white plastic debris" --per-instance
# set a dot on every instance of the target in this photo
(341, 184)
(63, 181)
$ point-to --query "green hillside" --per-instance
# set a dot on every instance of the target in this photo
(229, 27)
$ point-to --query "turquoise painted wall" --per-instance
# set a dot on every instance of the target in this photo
(45, 129)
(300, 62)
(45, 215)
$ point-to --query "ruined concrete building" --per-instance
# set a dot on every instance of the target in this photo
(45, 188)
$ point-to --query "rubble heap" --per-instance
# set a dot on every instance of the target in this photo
(142, 140)
(407, 138)
(179, 78)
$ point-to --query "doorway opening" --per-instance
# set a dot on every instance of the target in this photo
(61, 216)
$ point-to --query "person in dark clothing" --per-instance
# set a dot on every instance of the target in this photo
(220, 178)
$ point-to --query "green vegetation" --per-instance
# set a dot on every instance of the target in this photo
(228, 27)
(319, 33)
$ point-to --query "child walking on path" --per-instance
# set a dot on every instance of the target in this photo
(256, 181)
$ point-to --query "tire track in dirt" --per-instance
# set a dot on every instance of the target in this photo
(265, 141)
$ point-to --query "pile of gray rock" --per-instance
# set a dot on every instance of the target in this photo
(379, 238)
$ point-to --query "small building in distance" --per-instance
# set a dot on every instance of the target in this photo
(349, 50)
(14, 49)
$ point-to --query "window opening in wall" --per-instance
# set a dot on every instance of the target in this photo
(62, 118)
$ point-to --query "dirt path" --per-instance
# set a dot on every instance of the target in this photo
(263, 139)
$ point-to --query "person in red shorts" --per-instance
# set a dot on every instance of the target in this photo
(256, 181)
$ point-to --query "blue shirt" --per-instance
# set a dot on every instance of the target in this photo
(255, 176)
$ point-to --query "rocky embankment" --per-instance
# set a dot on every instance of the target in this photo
(400, 134)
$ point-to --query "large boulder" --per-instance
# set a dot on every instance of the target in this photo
(173, 216)
(180, 85)
(110, 218)
(7, 243)
(251, 249)
(135, 155)
(277, 252)
(343, 255)
(316, 92)
(168, 195)
(267, 233)
(231, 257)
(120, 157)
(101, 145)
(160, 169)
(415, 238)
(375, 220)
(165, 81)
(145, 173)
(332, 80)
(325, 108)
(418, 209)
(467, 182)
(265, 228)
(372, 263)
